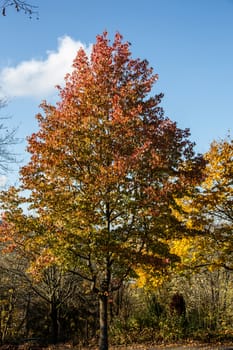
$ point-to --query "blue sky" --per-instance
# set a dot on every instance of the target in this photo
(189, 43)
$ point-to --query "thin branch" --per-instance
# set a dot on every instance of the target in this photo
(19, 5)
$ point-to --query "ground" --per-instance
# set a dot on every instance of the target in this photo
(190, 346)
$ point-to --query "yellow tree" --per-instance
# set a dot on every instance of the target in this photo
(211, 212)
(105, 169)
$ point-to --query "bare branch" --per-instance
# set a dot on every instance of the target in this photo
(19, 5)
(7, 138)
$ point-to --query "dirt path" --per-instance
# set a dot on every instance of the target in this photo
(188, 347)
(175, 347)
(196, 347)
(127, 347)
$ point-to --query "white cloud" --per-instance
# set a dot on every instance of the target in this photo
(3, 180)
(39, 77)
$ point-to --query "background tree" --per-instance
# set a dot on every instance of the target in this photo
(18, 5)
(105, 169)
(215, 203)
(54, 308)
(52, 286)
(210, 211)
(7, 139)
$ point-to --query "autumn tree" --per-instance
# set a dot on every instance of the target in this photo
(211, 211)
(106, 166)
(21, 260)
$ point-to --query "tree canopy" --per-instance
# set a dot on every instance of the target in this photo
(105, 171)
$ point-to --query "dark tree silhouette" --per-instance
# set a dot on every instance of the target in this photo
(177, 305)
(19, 5)
(7, 139)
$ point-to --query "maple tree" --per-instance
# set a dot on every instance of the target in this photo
(106, 168)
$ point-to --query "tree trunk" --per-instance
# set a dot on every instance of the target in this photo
(103, 318)
(54, 322)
